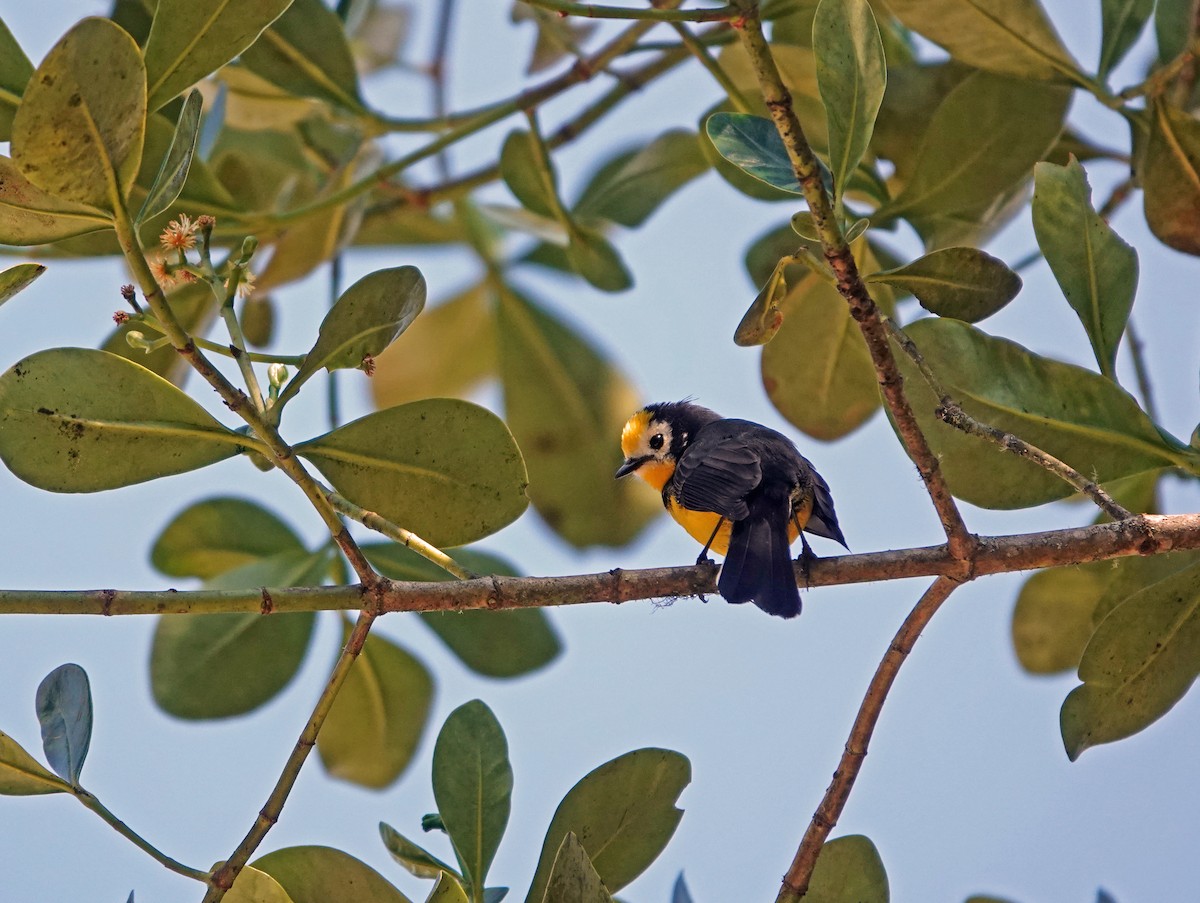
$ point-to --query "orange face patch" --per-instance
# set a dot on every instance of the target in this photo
(635, 429)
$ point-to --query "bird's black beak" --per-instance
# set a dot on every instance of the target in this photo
(630, 465)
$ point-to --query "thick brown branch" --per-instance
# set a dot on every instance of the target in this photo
(795, 882)
(850, 284)
(1142, 535)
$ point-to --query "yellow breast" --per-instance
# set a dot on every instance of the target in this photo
(700, 524)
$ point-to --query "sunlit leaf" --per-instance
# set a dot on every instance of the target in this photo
(632, 189)
(974, 149)
(447, 890)
(367, 318)
(1122, 22)
(17, 279)
(493, 643)
(1170, 175)
(566, 403)
(1096, 270)
(64, 711)
(1014, 37)
(852, 75)
(191, 38)
(322, 874)
(22, 775)
(1076, 415)
(219, 665)
(964, 283)
(624, 812)
(1141, 660)
(472, 784)
(219, 534)
(176, 164)
(253, 886)
(573, 877)
(305, 52)
(78, 132)
(30, 216)
(15, 70)
(413, 858)
(446, 469)
(377, 720)
(849, 868)
(446, 352)
(77, 420)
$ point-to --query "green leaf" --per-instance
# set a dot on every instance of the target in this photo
(306, 53)
(201, 190)
(216, 666)
(1141, 660)
(594, 258)
(472, 784)
(525, 221)
(220, 534)
(528, 175)
(446, 352)
(1013, 37)
(964, 283)
(15, 70)
(1052, 620)
(413, 858)
(1123, 21)
(852, 75)
(30, 216)
(367, 318)
(753, 145)
(1096, 270)
(77, 420)
(78, 132)
(18, 278)
(634, 184)
(848, 869)
(22, 775)
(624, 812)
(253, 886)
(64, 710)
(1076, 415)
(322, 874)
(173, 171)
(492, 643)
(1129, 576)
(974, 150)
(1173, 27)
(566, 403)
(190, 39)
(448, 470)
(447, 890)
(1170, 174)
(817, 370)
(377, 720)
(573, 877)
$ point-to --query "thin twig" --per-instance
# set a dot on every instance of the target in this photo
(851, 285)
(1149, 534)
(1137, 355)
(950, 412)
(223, 877)
(795, 882)
(137, 840)
(650, 14)
(699, 50)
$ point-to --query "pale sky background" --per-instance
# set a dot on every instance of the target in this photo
(967, 788)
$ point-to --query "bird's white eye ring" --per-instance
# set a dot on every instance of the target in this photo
(656, 441)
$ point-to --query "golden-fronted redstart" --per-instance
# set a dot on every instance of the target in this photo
(738, 487)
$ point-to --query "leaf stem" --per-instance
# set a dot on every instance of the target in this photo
(137, 840)
(594, 11)
(699, 50)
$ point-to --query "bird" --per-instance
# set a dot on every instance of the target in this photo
(740, 488)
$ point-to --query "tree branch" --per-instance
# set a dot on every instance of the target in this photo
(1148, 534)
(592, 11)
(795, 882)
(850, 283)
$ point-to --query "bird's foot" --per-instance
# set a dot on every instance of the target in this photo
(805, 560)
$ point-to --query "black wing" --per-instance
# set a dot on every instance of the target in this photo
(716, 472)
(823, 521)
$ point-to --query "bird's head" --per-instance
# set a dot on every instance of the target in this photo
(655, 437)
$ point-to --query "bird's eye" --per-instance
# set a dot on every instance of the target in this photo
(656, 441)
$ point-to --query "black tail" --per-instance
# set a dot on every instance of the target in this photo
(758, 566)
